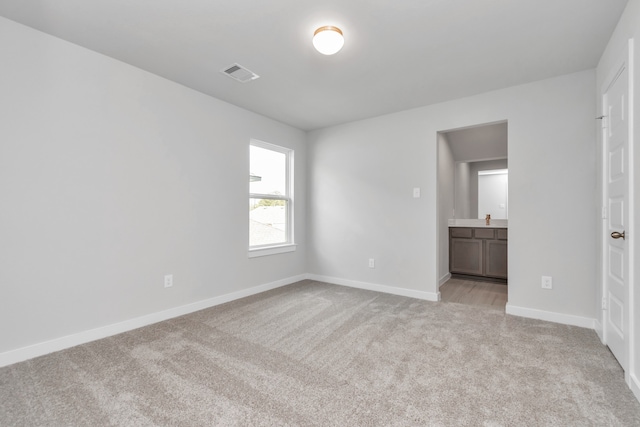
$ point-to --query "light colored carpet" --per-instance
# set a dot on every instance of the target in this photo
(316, 354)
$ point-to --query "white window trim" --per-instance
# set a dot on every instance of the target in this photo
(255, 252)
(289, 245)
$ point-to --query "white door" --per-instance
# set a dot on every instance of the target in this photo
(616, 189)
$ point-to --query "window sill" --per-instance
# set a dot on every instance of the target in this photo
(272, 250)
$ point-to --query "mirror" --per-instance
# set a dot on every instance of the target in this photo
(480, 151)
(493, 190)
(468, 201)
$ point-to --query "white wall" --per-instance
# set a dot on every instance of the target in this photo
(463, 191)
(111, 177)
(446, 202)
(628, 28)
(361, 175)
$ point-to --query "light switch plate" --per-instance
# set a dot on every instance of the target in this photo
(168, 280)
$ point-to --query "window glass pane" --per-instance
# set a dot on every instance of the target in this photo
(268, 171)
(267, 222)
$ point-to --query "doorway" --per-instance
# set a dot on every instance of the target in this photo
(471, 291)
(462, 153)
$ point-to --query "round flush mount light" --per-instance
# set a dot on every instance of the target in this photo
(328, 40)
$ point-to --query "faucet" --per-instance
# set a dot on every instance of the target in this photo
(488, 219)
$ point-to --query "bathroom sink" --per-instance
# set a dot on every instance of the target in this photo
(495, 223)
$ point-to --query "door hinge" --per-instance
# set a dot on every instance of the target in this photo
(604, 212)
(603, 121)
(604, 303)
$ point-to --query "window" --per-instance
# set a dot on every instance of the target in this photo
(270, 199)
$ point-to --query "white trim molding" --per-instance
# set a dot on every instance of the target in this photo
(634, 382)
(411, 293)
(634, 385)
(597, 326)
(550, 316)
(444, 279)
(272, 250)
(40, 349)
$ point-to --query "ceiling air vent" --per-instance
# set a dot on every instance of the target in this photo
(239, 73)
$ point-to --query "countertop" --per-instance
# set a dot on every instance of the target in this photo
(479, 223)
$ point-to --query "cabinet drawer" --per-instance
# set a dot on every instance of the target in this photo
(465, 233)
(501, 234)
(483, 233)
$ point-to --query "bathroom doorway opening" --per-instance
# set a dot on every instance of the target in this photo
(472, 256)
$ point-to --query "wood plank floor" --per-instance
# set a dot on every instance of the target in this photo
(472, 292)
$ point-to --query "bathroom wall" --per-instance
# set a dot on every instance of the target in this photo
(446, 196)
(463, 190)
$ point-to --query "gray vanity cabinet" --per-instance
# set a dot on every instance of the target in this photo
(478, 251)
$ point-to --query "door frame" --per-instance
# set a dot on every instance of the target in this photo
(625, 60)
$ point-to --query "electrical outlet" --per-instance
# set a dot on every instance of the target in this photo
(372, 263)
(168, 280)
(547, 282)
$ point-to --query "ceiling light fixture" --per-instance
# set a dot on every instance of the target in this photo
(328, 40)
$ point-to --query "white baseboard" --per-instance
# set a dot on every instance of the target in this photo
(40, 349)
(599, 330)
(444, 279)
(634, 385)
(428, 296)
(550, 316)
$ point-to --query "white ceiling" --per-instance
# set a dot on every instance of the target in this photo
(398, 54)
(485, 142)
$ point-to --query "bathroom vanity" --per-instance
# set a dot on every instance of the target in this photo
(476, 249)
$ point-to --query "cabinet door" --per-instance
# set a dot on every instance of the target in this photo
(465, 256)
(496, 258)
